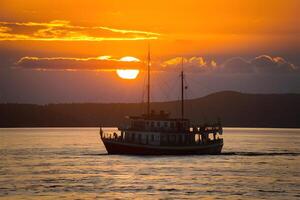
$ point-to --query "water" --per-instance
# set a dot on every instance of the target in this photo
(54, 163)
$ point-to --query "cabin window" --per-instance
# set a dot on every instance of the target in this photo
(152, 137)
(173, 138)
(133, 136)
(166, 124)
(172, 124)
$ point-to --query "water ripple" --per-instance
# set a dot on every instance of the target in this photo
(73, 164)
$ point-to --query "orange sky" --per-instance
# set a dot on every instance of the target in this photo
(184, 27)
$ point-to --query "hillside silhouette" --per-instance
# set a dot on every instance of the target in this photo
(235, 110)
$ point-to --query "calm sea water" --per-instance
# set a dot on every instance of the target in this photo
(54, 163)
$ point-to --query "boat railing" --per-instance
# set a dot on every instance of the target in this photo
(109, 133)
(204, 128)
(167, 139)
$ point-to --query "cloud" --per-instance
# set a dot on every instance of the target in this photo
(259, 65)
(267, 64)
(236, 65)
(101, 63)
(262, 64)
(192, 64)
(61, 30)
(104, 63)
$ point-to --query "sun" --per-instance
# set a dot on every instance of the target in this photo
(129, 59)
(128, 73)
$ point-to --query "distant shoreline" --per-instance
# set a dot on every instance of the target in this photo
(90, 127)
(233, 108)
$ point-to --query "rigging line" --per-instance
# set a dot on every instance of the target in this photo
(167, 90)
(190, 107)
(190, 93)
(178, 108)
(143, 95)
(167, 87)
(187, 89)
(201, 84)
(156, 86)
(143, 90)
(148, 81)
(161, 90)
(174, 84)
(166, 96)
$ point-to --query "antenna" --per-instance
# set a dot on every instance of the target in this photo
(182, 90)
(148, 85)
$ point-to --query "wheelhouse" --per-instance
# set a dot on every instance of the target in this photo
(158, 122)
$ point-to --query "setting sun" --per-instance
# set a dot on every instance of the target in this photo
(128, 73)
(129, 59)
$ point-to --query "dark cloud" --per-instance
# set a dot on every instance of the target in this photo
(258, 65)
(237, 65)
(60, 63)
(192, 64)
(267, 64)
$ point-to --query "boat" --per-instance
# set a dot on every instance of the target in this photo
(159, 134)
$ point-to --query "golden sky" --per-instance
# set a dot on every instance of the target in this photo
(189, 27)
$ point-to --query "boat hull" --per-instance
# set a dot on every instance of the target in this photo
(115, 147)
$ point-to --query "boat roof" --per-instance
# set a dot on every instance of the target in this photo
(161, 116)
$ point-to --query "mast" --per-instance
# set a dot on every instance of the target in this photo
(148, 85)
(182, 90)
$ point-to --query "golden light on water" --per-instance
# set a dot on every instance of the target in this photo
(128, 73)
